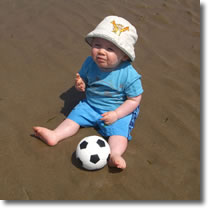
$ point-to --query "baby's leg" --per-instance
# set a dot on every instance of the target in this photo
(51, 137)
(118, 145)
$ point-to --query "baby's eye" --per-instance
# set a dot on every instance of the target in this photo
(110, 49)
(97, 45)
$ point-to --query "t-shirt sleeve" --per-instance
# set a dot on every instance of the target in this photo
(84, 69)
(133, 85)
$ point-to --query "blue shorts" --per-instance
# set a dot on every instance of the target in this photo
(87, 116)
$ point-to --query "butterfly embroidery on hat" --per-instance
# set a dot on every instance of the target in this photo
(118, 28)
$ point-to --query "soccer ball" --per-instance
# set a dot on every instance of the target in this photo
(93, 152)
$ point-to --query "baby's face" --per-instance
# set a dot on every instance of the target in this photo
(106, 55)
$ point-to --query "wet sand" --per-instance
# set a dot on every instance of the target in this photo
(42, 47)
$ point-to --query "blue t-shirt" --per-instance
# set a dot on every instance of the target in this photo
(108, 90)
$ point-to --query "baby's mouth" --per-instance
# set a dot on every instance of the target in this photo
(100, 59)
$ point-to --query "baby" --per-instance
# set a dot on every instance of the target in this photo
(112, 86)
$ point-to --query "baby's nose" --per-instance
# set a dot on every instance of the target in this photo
(101, 51)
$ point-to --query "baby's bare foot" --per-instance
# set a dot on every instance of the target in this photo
(117, 161)
(46, 135)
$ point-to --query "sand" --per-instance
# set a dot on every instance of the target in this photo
(42, 47)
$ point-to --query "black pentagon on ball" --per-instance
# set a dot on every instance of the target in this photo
(94, 158)
(83, 145)
(101, 143)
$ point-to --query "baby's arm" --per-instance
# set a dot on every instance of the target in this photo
(79, 83)
(126, 108)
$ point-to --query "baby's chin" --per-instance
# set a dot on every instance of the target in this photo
(106, 67)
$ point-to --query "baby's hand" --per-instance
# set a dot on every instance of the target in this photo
(79, 83)
(109, 117)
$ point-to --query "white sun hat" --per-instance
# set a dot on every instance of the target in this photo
(118, 31)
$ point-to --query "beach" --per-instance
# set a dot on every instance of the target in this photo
(42, 47)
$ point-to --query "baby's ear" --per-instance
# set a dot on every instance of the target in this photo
(125, 58)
